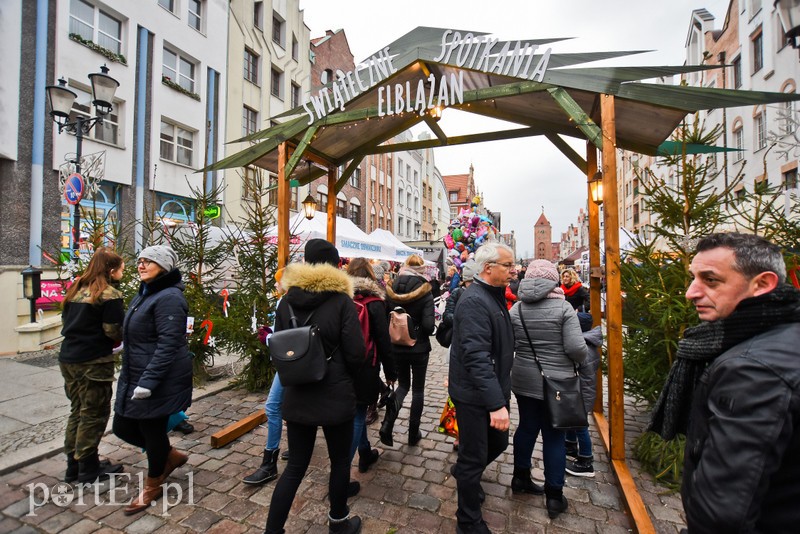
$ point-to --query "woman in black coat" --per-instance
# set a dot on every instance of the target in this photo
(574, 292)
(412, 292)
(370, 294)
(156, 376)
(320, 288)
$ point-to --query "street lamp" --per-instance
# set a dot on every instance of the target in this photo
(61, 100)
(596, 188)
(309, 207)
(32, 287)
(789, 15)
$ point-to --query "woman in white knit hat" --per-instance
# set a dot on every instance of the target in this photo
(155, 380)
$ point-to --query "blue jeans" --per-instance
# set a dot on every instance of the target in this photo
(274, 415)
(360, 441)
(583, 439)
(533, 419)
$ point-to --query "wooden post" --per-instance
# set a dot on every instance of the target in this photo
(595, 275)
(616, 408)
(332, 204)
(284, 197)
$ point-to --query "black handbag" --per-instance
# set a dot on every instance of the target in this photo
(298, 354)
(444, 334)
(562, 396)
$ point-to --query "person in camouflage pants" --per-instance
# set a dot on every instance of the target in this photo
(92, 325)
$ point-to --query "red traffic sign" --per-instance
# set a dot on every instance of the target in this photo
(73, 188)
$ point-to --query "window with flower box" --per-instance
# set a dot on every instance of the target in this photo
(93, 24)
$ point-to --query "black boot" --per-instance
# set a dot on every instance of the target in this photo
(91, 469)
(268, 470)
(387, 427)
(72, 469)
(366, 459)
(347, 525)
(555, 501)
(522, 483)
(582, 467)
(414, 435)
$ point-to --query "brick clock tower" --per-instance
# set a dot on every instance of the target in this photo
(542, 239)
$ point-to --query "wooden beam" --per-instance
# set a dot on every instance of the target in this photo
(354, 163)
(332, 204)
(458, 140)
(434, 126)
(284, 198)
(297, 154)
(578, 116)
(616, 407)
(595, 274)
(568, 151)
(239, 428)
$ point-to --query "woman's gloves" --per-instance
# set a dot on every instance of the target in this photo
(141, 393)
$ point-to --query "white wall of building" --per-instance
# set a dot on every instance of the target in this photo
(10, 44)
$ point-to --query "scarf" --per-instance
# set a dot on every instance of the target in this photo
(702, 344)
(571, 290)
(413, 271)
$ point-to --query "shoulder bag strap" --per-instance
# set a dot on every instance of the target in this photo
(535, 357)
(293, 317)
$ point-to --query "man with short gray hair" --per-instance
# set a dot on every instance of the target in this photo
(481, 356)
(734, 390)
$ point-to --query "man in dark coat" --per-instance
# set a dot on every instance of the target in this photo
(738, 374)
(481, 356)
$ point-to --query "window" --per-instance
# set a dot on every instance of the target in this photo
(322, 201)
(760, 127)
(108, 131)
(401, 196)
(258, 15)
(788, 124)
(373, 188)
(453, 196)
(276, 82)
(251, 66)
(740, 195)
(178, 69)
(341, 208)
(249, 121)
(355, 179)
(169, 5)
(249, 183)
(372, 220)
(737, 72)
(295, 95)
(277, 30)
(272, 196)
(400, 167)
(295, 48)
(177, 144)
(355, 214)
(757, 41)
(94, 24)
(326, 77)
(761, 186)
(195, 16)
(790, 179)
(738, 143)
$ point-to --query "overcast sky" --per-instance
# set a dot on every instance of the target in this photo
(517, 177)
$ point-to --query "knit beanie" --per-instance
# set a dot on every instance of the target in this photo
(469, 270)
(586, 321)
(321, 251)
(163, 255)
(542, 269)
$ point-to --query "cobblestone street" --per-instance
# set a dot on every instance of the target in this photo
(408, 490)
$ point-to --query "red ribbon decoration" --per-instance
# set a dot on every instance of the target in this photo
(209, 327)
(224, 294)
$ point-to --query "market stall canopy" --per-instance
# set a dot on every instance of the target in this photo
(414, 78)
(351, 242)
(402, 251)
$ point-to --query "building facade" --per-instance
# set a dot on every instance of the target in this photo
(543, 239)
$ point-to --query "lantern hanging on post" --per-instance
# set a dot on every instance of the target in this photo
(596, 188)
(32, 288)
(309, 207)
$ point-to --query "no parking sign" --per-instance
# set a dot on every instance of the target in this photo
(73, 188)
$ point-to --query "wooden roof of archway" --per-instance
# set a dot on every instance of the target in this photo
(563, 103)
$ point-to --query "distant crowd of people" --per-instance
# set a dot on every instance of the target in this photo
(734, 390)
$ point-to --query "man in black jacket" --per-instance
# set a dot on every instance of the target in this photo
(737, 382)
(481, 356)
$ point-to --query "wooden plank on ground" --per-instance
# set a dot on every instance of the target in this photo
(239, 428)
(633, 501)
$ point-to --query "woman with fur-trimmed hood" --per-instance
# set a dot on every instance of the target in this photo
(412, 292)
(318, 286)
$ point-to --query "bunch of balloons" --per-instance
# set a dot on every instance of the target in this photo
(467, 232)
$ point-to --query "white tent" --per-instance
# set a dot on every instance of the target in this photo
(402, 251)
(351, 242)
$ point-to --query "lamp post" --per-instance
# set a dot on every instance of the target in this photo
(789, 15)
(61, 101)
(32, 288)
